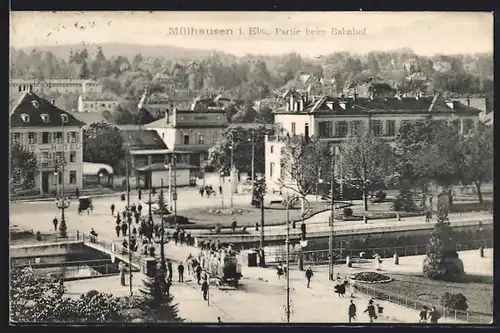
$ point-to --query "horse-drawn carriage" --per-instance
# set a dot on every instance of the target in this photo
(85, 204)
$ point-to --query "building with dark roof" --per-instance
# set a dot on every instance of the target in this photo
(54, 136)
(88, 117)
(334, 118)
(62, 86)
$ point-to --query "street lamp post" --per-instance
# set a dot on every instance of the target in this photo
(163, 265)
(174, 185)
(129, 221)
(62, 203)
(150, 213)
(332, 217)
(231, 172)
(253, 156)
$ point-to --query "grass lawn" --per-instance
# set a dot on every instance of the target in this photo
(479, 293)
(209, 217)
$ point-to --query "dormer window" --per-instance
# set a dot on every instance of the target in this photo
(25, 118)
(35, 104)
(45, 117)
(329, 105)
(64, 118)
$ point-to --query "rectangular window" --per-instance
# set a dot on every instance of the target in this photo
(45, 159)
(72, 157)
(455, 124)
(32, 138)
(390, 128)
(16, 137)
(72, 137)
(341, 129)
(467, 125)
(356, 127)
(271, 169)
(45, 137)
(58, 137)
(72, 177)
(186, 139)
(201, 139)
(377, 127)
(325, 129)
(293, 128)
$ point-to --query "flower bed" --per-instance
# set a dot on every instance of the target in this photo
(371, 277)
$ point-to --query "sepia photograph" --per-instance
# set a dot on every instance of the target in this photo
(208, 167)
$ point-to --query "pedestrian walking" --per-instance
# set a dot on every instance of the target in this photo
(112, 208)
(180, 270)
(220, 189)
(279, 271)
(139, 194)
(218, 320)
(124, 229)
(371, 311)
(204, 289)
(233, 225)
(118, 228)
(170, 269)
(309, 275)
(428, 216)
(201, 191)
(434, 316)
(77, 192)
(182, 237)
(167, 287)
(134, 231)
(118, 219)
(352, 311)
(139, 209)
(198, 273)
(55, 222)
(176, 237)
(423, 315)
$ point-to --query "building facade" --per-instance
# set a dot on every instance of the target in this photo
(63, 86)
(54, 136)
(333, 119)
(191, 133)
(96, 102)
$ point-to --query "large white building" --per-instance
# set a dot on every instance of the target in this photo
(63, 86)
(333, 118)
(43, 128)
(96, 102)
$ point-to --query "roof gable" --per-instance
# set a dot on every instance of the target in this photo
(34, 106)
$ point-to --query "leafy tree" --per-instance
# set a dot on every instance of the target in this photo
(155, 302)
(84, 70)
(102, 143)
(247, 115)
(302, 160)
(121, 116)
(364, 160)
(476, 162)
(219, 156)
(441, 261)
(23, 166)
(144, 117)
(265, 115)
(38, 299)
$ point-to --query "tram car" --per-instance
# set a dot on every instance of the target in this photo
(225, 267)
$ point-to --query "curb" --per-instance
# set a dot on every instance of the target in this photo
(53, 198)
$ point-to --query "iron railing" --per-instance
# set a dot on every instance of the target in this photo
(319, 257)
(78, 272)
(456, 315)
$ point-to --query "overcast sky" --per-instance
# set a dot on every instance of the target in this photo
(425, 33)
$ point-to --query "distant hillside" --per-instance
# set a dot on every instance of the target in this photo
(168, 52)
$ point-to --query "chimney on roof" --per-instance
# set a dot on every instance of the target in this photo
(53, 101)
(30, 88)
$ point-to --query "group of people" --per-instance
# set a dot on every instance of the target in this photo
(209, 190)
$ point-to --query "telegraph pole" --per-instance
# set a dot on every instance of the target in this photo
(332, 216)
(231, 177)
(174, 184)
(287, 242)
(129, 220)
(163, 265)
(150, 173)
(253, 156)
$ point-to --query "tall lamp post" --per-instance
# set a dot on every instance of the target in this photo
(332, 218)
(288, 202)
(231, 171)
(62, 203)
(163, 266)
(253, 155)
(129, 219)
(174, 185)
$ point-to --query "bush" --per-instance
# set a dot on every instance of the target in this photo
(370, 277)
(179, 219)
(347, 212)
(454, 301)
(381, 195)
(404, 202)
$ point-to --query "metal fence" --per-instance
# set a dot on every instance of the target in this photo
(44, 239)
(456, 315)
(318, 257)
(78, 272)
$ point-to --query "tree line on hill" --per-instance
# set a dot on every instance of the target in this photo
(255, 77)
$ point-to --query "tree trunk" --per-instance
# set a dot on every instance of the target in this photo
(365, 200)
(479, 193)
